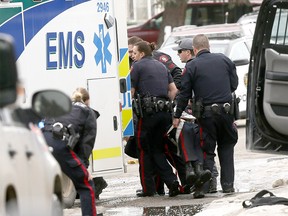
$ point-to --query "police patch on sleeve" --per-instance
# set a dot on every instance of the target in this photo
(163, 58)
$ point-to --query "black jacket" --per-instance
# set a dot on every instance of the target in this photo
(170, 65)
(211, 76)
(84, 122)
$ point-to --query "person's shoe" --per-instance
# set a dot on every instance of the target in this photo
(212, 185)
(100, 184)
(174, 189)
(161, 193)
(203, 175)
(140, 193)
(199, 193)
(191, 176)
(228, 190)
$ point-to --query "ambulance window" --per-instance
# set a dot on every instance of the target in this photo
(279, 34)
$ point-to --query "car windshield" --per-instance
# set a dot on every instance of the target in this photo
(218, 48)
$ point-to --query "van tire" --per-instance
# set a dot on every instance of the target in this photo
(68, 192)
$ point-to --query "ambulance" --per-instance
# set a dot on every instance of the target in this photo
(65, 44)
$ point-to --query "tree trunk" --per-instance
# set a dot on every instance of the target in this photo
(174, 15)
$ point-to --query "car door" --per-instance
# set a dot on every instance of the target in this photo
(13, 166)
(267, 96)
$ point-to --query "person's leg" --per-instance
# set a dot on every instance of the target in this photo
(228, 137)
(79, 176)
(72, 166)
(161, 122)
(146, 167)
(213, 182)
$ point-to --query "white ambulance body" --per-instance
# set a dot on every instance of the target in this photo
(65, 44)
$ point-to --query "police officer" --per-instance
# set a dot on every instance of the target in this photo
(131, 41)
(212, 77)
(189, 138)
(174, 70)
(72, 137)
(175, 160)
(161, 57)
(191, 129)
(82, 95)
(185, 50)
(151, 80)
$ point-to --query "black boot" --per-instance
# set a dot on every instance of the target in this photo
(174, 189)
(199, 193)
(213, 185)
(191, 176)
(203, 175)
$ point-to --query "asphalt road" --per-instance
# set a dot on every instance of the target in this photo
(119, 197)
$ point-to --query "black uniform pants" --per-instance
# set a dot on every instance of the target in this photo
(177, 162)
(220, 130)
(149, 138)
(73, 167)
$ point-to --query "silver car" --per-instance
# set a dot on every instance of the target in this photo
(31, 179)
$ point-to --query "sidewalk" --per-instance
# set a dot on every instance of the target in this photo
(270, 174)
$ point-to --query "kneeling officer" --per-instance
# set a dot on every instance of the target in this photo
(72, 137)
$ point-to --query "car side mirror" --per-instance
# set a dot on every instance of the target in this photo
(51, 103)
(8, 71)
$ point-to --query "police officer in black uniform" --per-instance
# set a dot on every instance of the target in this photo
(189, 144)
(212, 77)
(155, 87)
(72, 137)
(175, 160)
(174, 70)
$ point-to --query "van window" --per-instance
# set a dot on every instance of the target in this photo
(279, 34)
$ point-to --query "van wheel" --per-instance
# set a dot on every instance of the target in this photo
(12, 208)
(68, 192)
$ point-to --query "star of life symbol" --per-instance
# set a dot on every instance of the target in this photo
(102, 42)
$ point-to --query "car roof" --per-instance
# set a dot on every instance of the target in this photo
(217, 31)
(212, 30)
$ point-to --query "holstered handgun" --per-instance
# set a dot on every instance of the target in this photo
(139, 106)
(148, 105)
(197, 108)
(235, 106)
(135, 107)
(73, 137)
